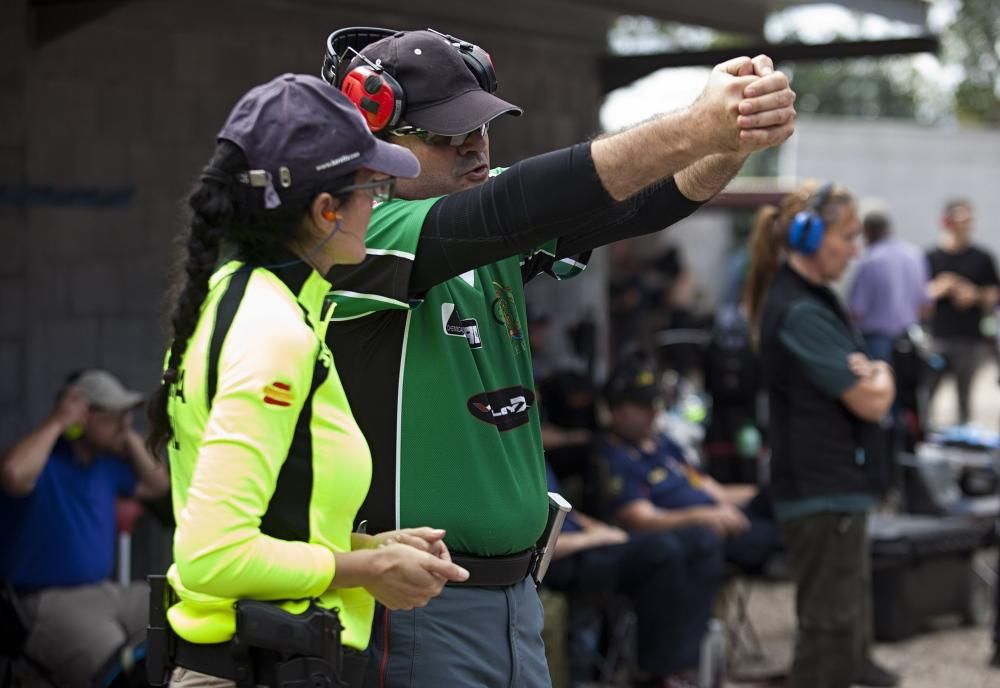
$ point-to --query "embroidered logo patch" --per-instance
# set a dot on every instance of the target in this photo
(456, 326)
(505, 313)
(506, 408)
(278, 394)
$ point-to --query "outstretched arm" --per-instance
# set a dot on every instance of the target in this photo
(746, 106)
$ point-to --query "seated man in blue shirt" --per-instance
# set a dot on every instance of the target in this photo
(671, 578)
(654, 488)
(59, 486)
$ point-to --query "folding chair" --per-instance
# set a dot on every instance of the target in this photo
(742, 640)
(14, 630)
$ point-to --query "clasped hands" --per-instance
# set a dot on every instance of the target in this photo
(747, 105)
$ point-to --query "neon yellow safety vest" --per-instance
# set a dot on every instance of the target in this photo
(267, 464)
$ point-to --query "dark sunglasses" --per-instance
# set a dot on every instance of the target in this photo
(432, 139)
(382, 190)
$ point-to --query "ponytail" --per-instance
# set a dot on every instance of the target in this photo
(766, 251)
(770, 238)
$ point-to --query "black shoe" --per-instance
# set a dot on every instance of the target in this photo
(995, 662)
(872, 674)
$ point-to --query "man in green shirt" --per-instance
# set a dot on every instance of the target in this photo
(429, 332)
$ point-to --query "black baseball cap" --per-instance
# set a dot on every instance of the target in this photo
(295, 130)
(442, 94)
(635, 381)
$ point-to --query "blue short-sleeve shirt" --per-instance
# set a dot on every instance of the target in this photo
(64, 532)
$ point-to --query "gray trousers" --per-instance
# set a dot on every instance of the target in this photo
(962, 357)
(75, 631)
(831, 563)
(465, 638)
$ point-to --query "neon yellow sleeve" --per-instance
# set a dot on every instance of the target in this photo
(264, 375)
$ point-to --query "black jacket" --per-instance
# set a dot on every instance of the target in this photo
(818, 447)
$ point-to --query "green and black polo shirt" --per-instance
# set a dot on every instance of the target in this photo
(442, 387)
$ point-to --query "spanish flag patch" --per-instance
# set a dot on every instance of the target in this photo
(278, 394)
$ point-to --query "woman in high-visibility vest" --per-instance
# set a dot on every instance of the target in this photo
(268, 467)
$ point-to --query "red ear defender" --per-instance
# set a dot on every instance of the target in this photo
(329, 215)
(377, 95)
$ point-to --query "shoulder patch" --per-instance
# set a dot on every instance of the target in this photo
(278, 394)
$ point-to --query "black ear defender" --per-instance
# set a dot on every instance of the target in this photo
(806, 233)
(476, 59)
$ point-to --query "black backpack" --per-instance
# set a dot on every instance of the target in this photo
(731, 365)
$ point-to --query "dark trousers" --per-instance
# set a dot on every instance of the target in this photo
(830, 560)
(750, 550)
(962, 358)
(996, 621)
(672, 579)
(879, 347)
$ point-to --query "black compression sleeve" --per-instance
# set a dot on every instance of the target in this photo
(556, 195)
(536, 200)
(652, 209)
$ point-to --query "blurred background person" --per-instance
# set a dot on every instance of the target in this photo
(670, 584)
(887, 294)
(826, 398)
(964, 288)
(57, 544)
(886, 299)
(655, 488)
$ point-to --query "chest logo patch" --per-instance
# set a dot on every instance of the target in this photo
(505, 408)
(505, 313)
(657, 475)
(278, 394)
(456, 326)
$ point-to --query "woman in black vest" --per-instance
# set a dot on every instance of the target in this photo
(826, 398)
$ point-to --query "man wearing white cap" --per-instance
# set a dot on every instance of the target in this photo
(59, 485)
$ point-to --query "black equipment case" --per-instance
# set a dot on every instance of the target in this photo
(922, 567)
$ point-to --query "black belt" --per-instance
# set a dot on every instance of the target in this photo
(495, 571)
(216, 659)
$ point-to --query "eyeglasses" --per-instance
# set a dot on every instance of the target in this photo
(441, 139)
(382, 190)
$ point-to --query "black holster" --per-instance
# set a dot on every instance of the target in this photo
(160, 638)
(271, 647)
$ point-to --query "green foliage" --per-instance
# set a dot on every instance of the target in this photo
(974, 41)
(865, 88)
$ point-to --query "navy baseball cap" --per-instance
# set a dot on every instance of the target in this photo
(633, 381)
(442, 94)
(296, 131)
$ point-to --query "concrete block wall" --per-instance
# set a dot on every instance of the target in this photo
(913, 168)
(133, 100)
(13, 222)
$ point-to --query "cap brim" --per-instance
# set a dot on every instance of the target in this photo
(125, 402)
(636, 396)
(461, 114)
(396, 161)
